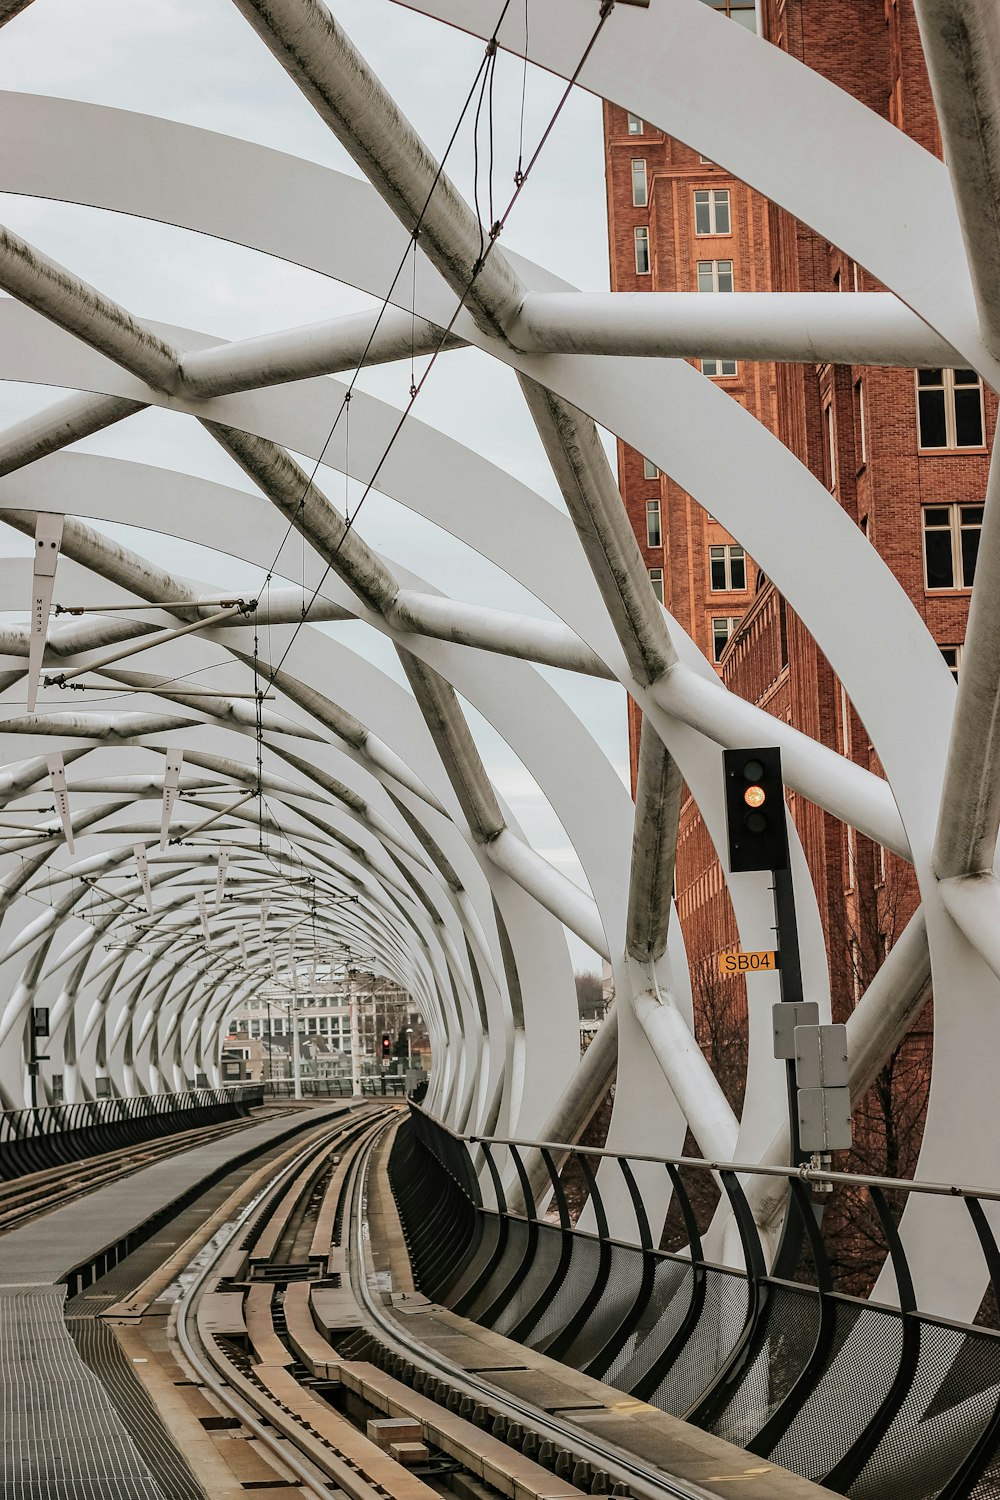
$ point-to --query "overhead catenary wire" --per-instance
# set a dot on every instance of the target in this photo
(521, 178)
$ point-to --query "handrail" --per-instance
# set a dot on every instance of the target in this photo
(803, 1173)
(760, 1357)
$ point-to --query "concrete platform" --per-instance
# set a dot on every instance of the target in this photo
(60, 1435)
(49, 1249)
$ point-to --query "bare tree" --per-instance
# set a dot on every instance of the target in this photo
(889, 1119)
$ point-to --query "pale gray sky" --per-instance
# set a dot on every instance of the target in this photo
(199, 62)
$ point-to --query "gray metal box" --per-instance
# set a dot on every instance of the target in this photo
(821, 1057)
(824, 1119)
(786, 1015)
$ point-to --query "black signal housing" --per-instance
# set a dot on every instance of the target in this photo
(755, 809)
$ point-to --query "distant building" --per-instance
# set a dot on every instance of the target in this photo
(264, 1024)
(905, 453)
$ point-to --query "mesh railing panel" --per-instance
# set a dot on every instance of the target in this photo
(570, 1296)
(789, 1334)
(503, 1273)
(548, 1253)
(673, 1283)
(854, 1382)
(616, 1303)
(953, 1394)
(722, 1320)
(858, 1400)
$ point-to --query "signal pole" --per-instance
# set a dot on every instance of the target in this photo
(352, 1002)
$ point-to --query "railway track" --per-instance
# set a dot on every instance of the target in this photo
(25, 1197)
(289, 1325)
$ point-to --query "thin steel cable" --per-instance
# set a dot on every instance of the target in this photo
(607, 7)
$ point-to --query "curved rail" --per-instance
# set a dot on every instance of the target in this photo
(277, 1407)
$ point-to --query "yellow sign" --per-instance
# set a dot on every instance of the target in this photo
(747, 963)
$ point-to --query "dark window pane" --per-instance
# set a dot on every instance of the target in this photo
(725, 275)
(722, 213)
(929, 377)
(936, 516)
(739, 573)
(702, 216)
(718, 573)
(970, 551)
(720, 635)
(933, 433)
(972, 515)
(968, 418)
(966, 377)
(937, 553)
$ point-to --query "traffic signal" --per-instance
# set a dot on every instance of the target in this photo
(386, 1044)
(755, 810)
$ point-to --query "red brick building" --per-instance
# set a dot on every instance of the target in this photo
(904, 452)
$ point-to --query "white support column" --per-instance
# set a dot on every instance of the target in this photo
(962, 51)
(337, 81)
(805, 327)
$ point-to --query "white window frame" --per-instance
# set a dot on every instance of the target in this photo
(829, 432)
(711, 269)
(656, 580)
(712, 197)
(640, 235)
(859, 391)
(955, 529)
(634, 125)
(955, 665)
(732, 624)
(951, 444)
(731, 552)
(649, 469)
(640, 183)
(653, 511)
(715, 368)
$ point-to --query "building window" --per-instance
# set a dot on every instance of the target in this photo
(717, 367)
(715, 276)
(635, 125)
(727, 569)
(951, 545)
(861, 436)
(952, 658)
(949, 409)
(649, 470)
(656, 579)
(641, 250)
(711, 211)
(743, 11)
(830, 454)
(722, 629)
(640, 190)
(653, 537)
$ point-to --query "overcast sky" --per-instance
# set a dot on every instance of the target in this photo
(199, 62)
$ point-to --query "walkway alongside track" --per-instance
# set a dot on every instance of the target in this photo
(300, 1330)
(63, 1438)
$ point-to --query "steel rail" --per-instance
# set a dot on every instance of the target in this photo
(200, 1358)
(642, 1480)
(644, 1483)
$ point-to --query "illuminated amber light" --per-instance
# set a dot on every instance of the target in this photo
(754, 796)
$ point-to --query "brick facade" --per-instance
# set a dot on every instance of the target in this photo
(857, 429)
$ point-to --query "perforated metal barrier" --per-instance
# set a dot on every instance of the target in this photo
(872, 1400)
(34, 1139)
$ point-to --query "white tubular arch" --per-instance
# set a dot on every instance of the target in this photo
(381, 794)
